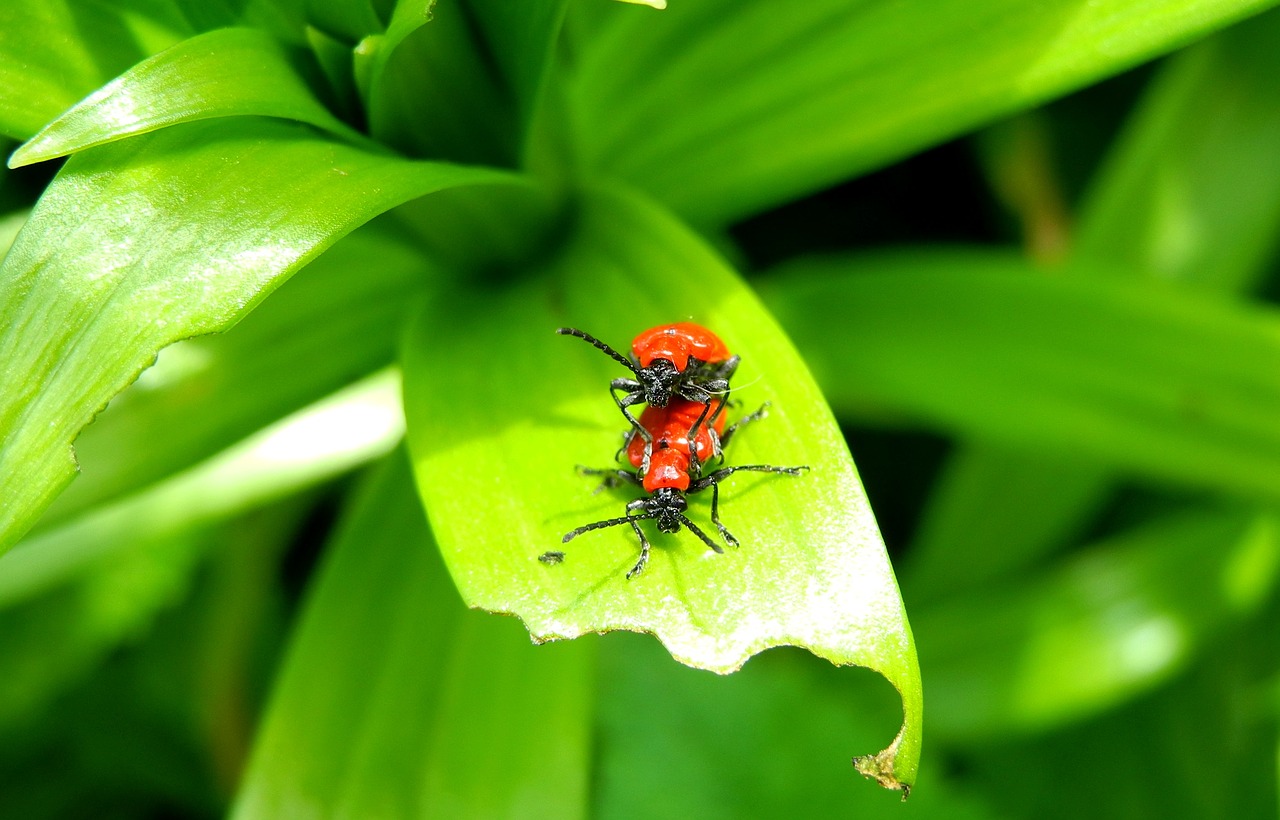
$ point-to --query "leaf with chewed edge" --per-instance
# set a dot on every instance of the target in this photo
(143, 242)
(499, 417)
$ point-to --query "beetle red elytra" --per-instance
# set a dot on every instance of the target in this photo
(680, 360)
(674, 471)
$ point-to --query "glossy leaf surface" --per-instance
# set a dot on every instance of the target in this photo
(1149, 380)
(498, 475)
(224, 73)
(205, 394)
(220, 213)
(756, 107)
(1189, 194)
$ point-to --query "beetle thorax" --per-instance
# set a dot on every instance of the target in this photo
(659, 381)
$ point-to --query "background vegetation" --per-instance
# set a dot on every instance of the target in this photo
(1025, 250)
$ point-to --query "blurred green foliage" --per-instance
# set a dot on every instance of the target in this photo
(1027, 252)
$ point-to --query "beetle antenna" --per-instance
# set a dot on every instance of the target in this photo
(598, 345)
(705, 539)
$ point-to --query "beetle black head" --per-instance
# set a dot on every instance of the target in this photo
(659, 381)
(666, 506)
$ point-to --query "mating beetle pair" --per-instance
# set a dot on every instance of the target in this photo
(682, 372)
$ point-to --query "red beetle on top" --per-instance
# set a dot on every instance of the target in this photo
(681, 360)
(673, 470)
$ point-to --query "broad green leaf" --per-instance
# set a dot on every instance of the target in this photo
(225, 73)
(1143, 378)
(723, 108)
(1192, 192)
(313, 445)
(53, 52)
(1195, 169)
(1146, 760)
(143, 242)
(1117, 619)
(994, 509)
(205, 394)
(773, 733)
(498, 418)
(396, 702)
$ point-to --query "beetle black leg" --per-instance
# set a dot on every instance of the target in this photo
(613, 477)
(625, 402)
(711, 479)
(743, 422)
(644, 542)
(715, 517)
(695, 463)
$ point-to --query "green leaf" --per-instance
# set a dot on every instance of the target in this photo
(53, 52)
(313, 445)
(397, 702)
(284, 18)
(1210, 714)
(1143, 378)
(522, 39)
(48, 643)
(225, 73)
(1113, 621)
(723, 108)
(480, 68)
(1191, 193)
(162, 237)
(994, 509)
(499, 417)
(205, 394)
(445, 71)
(351, 20)
(371, 54)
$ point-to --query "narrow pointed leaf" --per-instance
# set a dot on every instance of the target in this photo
(53, 52)
(150, 240)
(498, 420)
(1109, 623)
(205, 394)
(758, 107)
(994, 509)
(395, 701)
(1146, 379)
(224, 73)
(1190, 194)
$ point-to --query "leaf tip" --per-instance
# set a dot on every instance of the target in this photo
(881, 767)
